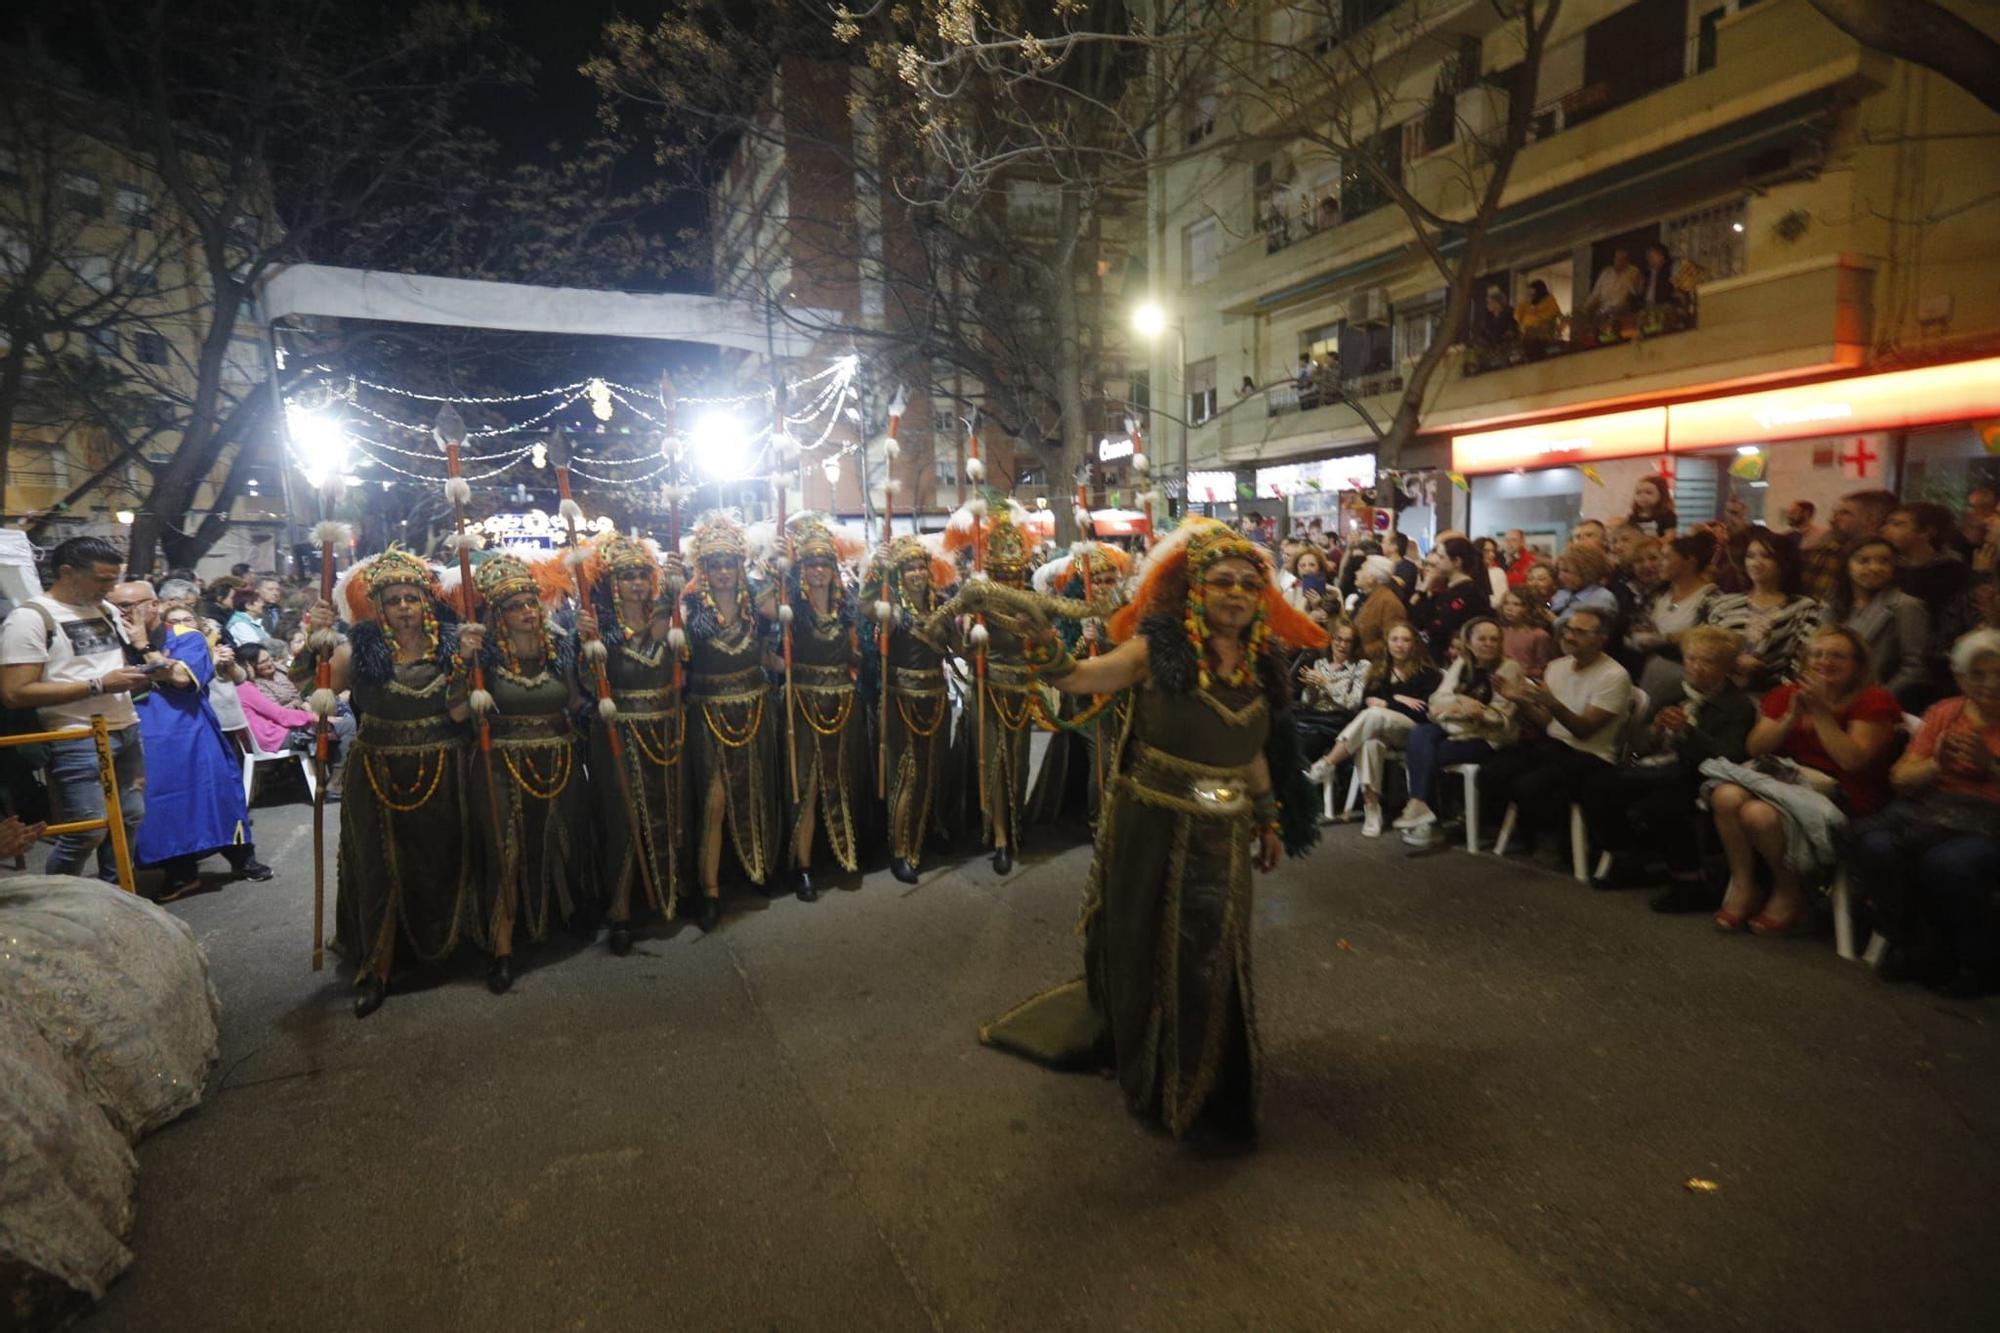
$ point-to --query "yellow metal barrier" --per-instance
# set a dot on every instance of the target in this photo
(107, 775)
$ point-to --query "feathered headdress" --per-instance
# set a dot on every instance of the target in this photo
(608, 553)
(1108, 565)
(360, 587)
(1172, 573)
(502, 577)
(716, 534)
(1008, 540)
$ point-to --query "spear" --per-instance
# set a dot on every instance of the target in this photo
(884, 609)
(329, 534)
(675, 493)
(1083, 553)
(594, 651)
(449, 431)
(975, 472)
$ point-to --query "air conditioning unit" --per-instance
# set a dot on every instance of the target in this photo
(1370, 305)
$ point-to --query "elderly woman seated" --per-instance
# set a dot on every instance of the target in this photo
(1644, 813)
(1819, 756)
(1470, 718)
(1394, 700)
(1378, 605)
(1929, 865)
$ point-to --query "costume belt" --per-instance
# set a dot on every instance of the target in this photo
(646, 705)
(807, 677)
(730, 687)
(419, 733)
(529, 730)
(1008, 676)
(919, 681)
(1160, 778)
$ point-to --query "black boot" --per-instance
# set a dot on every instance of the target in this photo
(1003, 859)
(711, 913)
(369, 995)
(621, 938)
(802, 883)
(500, 975)
(245, 865)
(903, 870)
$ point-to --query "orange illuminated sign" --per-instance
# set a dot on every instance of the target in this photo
(1560, 443)
(1891, 401)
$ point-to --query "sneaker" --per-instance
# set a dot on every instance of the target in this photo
(1422, 837)
(1423, 820)
(1371, 823)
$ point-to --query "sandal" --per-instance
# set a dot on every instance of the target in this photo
(1728, 922)
(1771, 928)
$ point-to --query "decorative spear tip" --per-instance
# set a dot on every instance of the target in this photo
(449, 427)
(559, 450)
(666, 390)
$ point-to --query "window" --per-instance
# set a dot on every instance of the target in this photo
(944, 466)
(1360, 191)
(1199, 243)
(83, 194)
(1033, 207)
(1417, 327)
(1198, 116)
(1701, 43)
(94, 272)
(150, 349)
(135, 208)
(1712, 240)
(1200, 391)
(104, 341)
(144, 278)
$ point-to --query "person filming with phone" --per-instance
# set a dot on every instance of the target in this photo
(66, 654)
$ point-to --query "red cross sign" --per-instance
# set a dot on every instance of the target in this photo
(1854, 462)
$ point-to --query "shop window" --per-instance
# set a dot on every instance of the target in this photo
(1200, 391)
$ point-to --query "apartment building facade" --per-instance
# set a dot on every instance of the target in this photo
(1825, 210)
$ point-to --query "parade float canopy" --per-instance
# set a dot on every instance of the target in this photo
(413, 298)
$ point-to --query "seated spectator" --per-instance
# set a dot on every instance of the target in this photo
(1581, 574)
(246, 617)
(1681, 603)
(1330, 689)
(1579, 706)
(1774, 618)
(1616, 287)
(1525, 633)
(262, 665)
(1496, 569)
(1859, 514)
(1644, 814)
(1635, 581)
(1454, 591)
(1819, 756)
(1929, 865)
(1893, 625)
(1539, 317)
(1540, 585)
(1395, 697)
(1656, 286)
(1381, 606)
(1653, 507)
(1469, 719)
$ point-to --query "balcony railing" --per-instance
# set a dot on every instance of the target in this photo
(1284, 398)
(1653, 321)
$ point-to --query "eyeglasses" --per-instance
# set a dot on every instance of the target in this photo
(1233, 582)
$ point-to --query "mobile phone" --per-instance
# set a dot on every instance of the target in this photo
(155, 668)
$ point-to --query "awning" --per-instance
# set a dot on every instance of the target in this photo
(413, 298)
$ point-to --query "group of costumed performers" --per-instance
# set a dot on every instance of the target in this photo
(1207, 786)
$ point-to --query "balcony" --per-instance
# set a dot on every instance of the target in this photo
(1656, 321)
(1282, 399)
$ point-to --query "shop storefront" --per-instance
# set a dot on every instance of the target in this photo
(1930, 433)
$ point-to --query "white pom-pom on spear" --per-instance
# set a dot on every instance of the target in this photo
(449, 432)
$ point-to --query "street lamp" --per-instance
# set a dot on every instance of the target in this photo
(718, 444)
(319, 443)
(1149, 321)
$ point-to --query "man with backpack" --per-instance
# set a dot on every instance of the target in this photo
(65, 654)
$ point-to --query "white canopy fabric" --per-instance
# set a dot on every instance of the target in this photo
(411, 298)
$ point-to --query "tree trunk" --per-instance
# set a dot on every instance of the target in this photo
(1924, 34)
(176, 485)
(12, 372)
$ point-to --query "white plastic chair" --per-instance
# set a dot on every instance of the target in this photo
(1840, 893)
(246, 741)
(1579, 832)
(1470, 773)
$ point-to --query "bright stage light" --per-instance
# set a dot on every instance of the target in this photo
(719, 447)
(319, 443)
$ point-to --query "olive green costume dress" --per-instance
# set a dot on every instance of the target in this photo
(916, 736)
(405, 880)
(538, 862)
(829, 733)
(733, 732)
(639, 821)
(1009, 721)
(1167, 994)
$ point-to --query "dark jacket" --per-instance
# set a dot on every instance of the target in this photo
(1721, 727)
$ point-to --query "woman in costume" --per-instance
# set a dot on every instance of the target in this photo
(638, 796)
(405, 881)
(1090, 573)
(827, 737)
(904, 581)
(529, 803)
(732, 731)
(1004, 695)
(1208, 786)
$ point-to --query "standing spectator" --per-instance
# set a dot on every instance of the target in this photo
(1894, 626)
(1979, 527)
(1653, 507)
(65, 653)
(1539, 316)
(1469, 718)
(1381, 607)
(1580, 706)
(1835, 726)
(1858, 515)
(1644, 815)
(1930, 863)
(1454, 591)
(1804, 533)
(1930, 569)
(1540, 584)
(1616, 286)
(1402, 550)
(1774, 619)
(1656, 281)
(1591, 532)
(1394, 701)
(194, 782)
(1524, 633)
(1493, 325)
(1519, 559)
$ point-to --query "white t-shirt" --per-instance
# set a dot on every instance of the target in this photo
(1602, 684)
(88, 641)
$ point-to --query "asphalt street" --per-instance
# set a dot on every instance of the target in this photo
(1493, 1099)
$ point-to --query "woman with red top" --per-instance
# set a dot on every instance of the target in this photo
(1835, 726)
(1930, 864)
